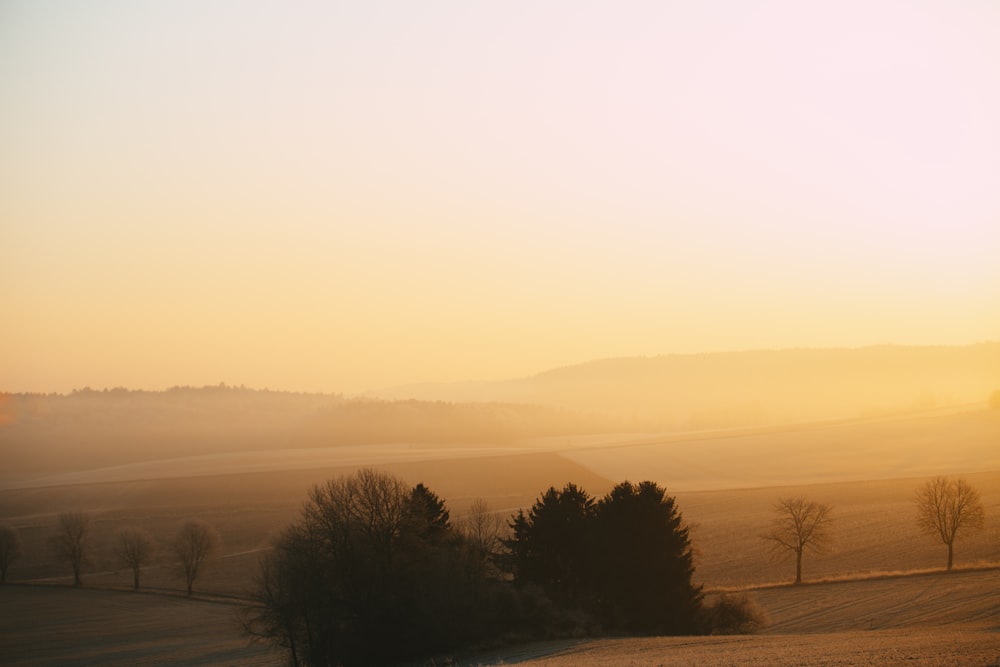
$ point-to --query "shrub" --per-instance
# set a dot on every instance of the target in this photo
(733, 614)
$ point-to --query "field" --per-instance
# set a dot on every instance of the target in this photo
(48, 625)
(915, 648)
(921, 621)
(861, 614)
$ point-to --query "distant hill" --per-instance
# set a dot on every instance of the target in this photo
(91, 429)
(748, 388)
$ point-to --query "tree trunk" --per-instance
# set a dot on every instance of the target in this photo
(798, 566)
(135, 574)
(950, 554)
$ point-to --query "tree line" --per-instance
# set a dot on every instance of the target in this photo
(195, 544)
(375, 572)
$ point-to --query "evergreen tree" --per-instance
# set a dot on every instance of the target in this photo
(645, 565)
(551, 544)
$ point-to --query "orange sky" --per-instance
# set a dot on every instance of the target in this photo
(344, 197)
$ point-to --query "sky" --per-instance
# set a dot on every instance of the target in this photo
(342, 196)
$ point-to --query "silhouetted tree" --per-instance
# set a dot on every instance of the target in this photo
(71, 541)
(425, 515)
(484, 532)
(947, 506)
(134, 548)
(801, 525)
(644, 562)
(10, 549)
(371, 573)
(196, 543)
(626, 560)
(287, 601)
(551, 546)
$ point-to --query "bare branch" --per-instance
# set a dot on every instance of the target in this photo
(801, 525)
(945, 507)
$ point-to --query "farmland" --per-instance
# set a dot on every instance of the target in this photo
(856, 611)
(924, 621)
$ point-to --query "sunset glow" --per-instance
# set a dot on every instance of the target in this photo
(341, 197)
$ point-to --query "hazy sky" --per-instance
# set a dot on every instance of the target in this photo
(345, 195)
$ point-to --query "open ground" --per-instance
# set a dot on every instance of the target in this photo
(870, 617)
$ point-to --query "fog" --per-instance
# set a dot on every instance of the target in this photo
(670, 412)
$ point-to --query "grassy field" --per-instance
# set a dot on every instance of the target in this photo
(923, 620)
(935, 620)
(914, 648)
(874, 531)
(57, 626)
(917, 620)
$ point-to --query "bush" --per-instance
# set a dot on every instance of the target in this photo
(733, 614)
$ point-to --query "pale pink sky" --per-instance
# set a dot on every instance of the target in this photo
(340, 196)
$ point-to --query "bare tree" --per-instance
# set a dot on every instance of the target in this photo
(134, 548)
(10, 549)
(484, 531)
(197, 542)
(279, 613)
(71, 542)
(801, 525)
(946, 506)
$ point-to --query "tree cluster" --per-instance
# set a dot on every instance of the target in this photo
(373, 572)
(625, 561)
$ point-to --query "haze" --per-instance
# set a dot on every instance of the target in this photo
(341, 197)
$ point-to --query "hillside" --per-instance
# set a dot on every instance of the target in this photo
(748, 388)
(88, 429)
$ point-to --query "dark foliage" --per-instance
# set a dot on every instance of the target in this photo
(551, 545)
(625, 562)
(373, 573)
(644, 562)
